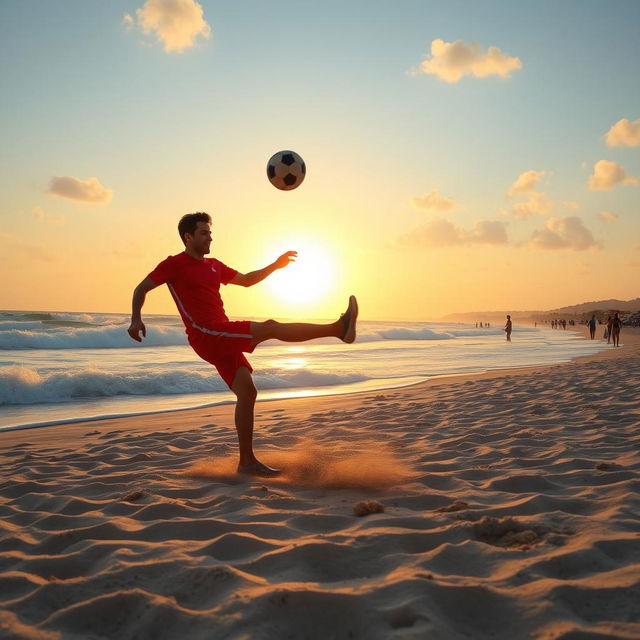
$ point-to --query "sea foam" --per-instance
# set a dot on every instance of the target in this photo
(24, 385)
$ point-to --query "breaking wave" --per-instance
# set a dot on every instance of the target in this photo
(23, 385)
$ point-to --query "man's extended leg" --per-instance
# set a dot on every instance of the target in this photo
(246, 393)
(343, 328)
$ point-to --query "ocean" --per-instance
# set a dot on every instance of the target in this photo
(58, 367)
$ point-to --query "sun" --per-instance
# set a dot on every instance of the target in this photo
(308, 278)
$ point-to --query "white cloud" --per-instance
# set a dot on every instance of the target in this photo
(526, 182)
(563, 233)
(607, 175)
(128, 21)
(175, 23)
(624, 133)
(442, 233)
(14, 247)
(39, 213)
(450, 61)
(571, 206)
(537, 203)
(609, 217)
(434, 201)
(488, 232)
(89, 190)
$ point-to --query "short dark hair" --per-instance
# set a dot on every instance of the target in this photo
(189, 223)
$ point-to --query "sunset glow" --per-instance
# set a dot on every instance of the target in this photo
(456, 160)
(308, 279)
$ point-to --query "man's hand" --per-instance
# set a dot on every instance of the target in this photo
(253, 277)
(285, 259)
(134, 330)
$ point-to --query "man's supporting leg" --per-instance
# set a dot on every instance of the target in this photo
(246, 393)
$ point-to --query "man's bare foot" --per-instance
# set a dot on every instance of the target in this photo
(258, 469)
(349, 321)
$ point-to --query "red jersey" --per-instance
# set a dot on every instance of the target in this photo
(195, 287)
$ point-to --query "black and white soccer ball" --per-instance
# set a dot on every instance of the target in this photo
(286, 170)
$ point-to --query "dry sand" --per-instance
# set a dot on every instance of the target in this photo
(502, 505)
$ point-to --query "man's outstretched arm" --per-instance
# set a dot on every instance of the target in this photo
(139, 294)
(253, 277)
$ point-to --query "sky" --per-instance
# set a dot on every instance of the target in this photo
(460, 156)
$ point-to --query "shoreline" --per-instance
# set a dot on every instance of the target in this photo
(444, 379)
(117, 390)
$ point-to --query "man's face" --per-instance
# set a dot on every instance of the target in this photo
(200, 241)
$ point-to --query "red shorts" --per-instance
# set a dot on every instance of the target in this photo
(223, 345)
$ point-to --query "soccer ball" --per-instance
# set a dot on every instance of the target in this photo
(286, 170)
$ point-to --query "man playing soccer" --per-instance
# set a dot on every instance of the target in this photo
(194, 282)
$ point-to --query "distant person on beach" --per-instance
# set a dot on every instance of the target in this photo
(194, 282)
(607, 331)
(508, 328)
(616, 325)
(592, 327)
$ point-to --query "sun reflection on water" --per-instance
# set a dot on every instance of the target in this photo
(291, 363)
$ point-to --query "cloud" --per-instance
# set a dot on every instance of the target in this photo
(442, 233)
(39, 213)
(607, 175)
(526, 182)
(15, 247)
(537, 203)
(433, 201)
(563, 233)
(488, 232)
(89, 190)
(609, 217)
(450, 61)
(571, 206)
(175, 23)
(624, 133)
(128, 22)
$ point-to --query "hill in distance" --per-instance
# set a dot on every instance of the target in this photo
(572, 310)
(601, 305)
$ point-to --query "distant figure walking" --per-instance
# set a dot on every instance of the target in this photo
(607, 331)
(508, 328)
(616, 325)
(592, 327)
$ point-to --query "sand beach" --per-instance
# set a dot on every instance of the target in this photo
(500, 505)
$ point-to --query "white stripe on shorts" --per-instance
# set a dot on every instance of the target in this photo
(211, 332)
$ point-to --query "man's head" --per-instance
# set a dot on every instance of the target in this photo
(508, 317)
(195, 231)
